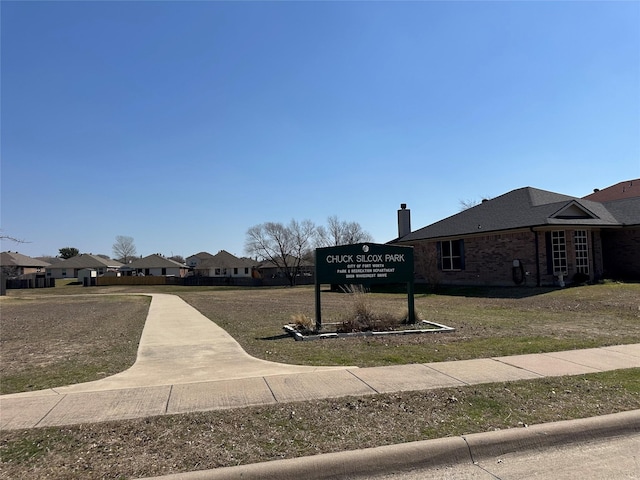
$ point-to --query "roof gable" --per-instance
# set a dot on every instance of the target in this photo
(573, 210)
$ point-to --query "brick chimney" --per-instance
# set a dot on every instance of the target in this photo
(404, 220)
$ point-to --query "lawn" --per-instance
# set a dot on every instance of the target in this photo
(488, 322)
(42, 332)
(49, 339)
(53, 341)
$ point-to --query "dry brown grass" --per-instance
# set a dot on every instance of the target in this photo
(53, 341)
(184, 443)
(504, 322)
(45, 332)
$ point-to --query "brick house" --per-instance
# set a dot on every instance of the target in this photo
(15, 264)
(70, 267)
(531, 237)
(155, 265)
(195, 260)
(223, 264)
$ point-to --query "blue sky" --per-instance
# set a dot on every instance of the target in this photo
(182, 124)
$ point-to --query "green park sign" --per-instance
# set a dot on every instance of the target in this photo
(364, 263)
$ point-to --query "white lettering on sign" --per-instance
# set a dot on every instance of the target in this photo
(339, 258)
(368, 258)
(366, 265)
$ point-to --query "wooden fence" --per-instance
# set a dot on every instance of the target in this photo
(148, 280)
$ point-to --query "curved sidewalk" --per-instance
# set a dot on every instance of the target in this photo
(186, 363)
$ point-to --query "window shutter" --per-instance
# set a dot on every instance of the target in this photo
(439, 255)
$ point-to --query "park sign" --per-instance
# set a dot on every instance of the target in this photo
(364, 263)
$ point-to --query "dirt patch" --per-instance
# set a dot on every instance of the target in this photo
(49, 342)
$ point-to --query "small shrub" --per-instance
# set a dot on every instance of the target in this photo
(405, 317)
(302, 322)
(363, 318)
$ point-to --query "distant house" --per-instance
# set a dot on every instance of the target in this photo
(531, 237)
(223, 264)
(195, 260)
(70, 267)
(155, 265)
(15, 264)
(269, 269)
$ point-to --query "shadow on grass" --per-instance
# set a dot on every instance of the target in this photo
(275, 337)
(467, 291)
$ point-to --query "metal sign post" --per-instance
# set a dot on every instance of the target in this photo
(365, 263)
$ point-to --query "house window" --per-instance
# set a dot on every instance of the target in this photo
(217, 271)
(235, 271)
(452, 255)
(582, 251)
(246, 270)
(64, 272)
(164, 271)
(559, 249)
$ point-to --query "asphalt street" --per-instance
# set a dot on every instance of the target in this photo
(605, 459)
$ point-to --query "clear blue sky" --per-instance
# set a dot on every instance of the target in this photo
(182, 124)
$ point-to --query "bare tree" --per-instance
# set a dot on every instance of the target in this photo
(124, 249)
(284, 245)
(3, 285)
(9, 238)
(340, 232)
(177, 258)
(467, 204)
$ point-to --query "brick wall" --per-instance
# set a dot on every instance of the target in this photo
(489, 259)
(621, 252)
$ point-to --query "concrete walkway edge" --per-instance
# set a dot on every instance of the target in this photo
(441, 452)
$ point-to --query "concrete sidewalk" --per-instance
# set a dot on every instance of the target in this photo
(186, 363)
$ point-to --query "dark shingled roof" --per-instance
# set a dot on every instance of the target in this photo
(529, 207)
(85, 260)
(224, 259)
(155, 261)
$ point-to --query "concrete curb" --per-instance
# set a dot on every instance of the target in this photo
(428, 453)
